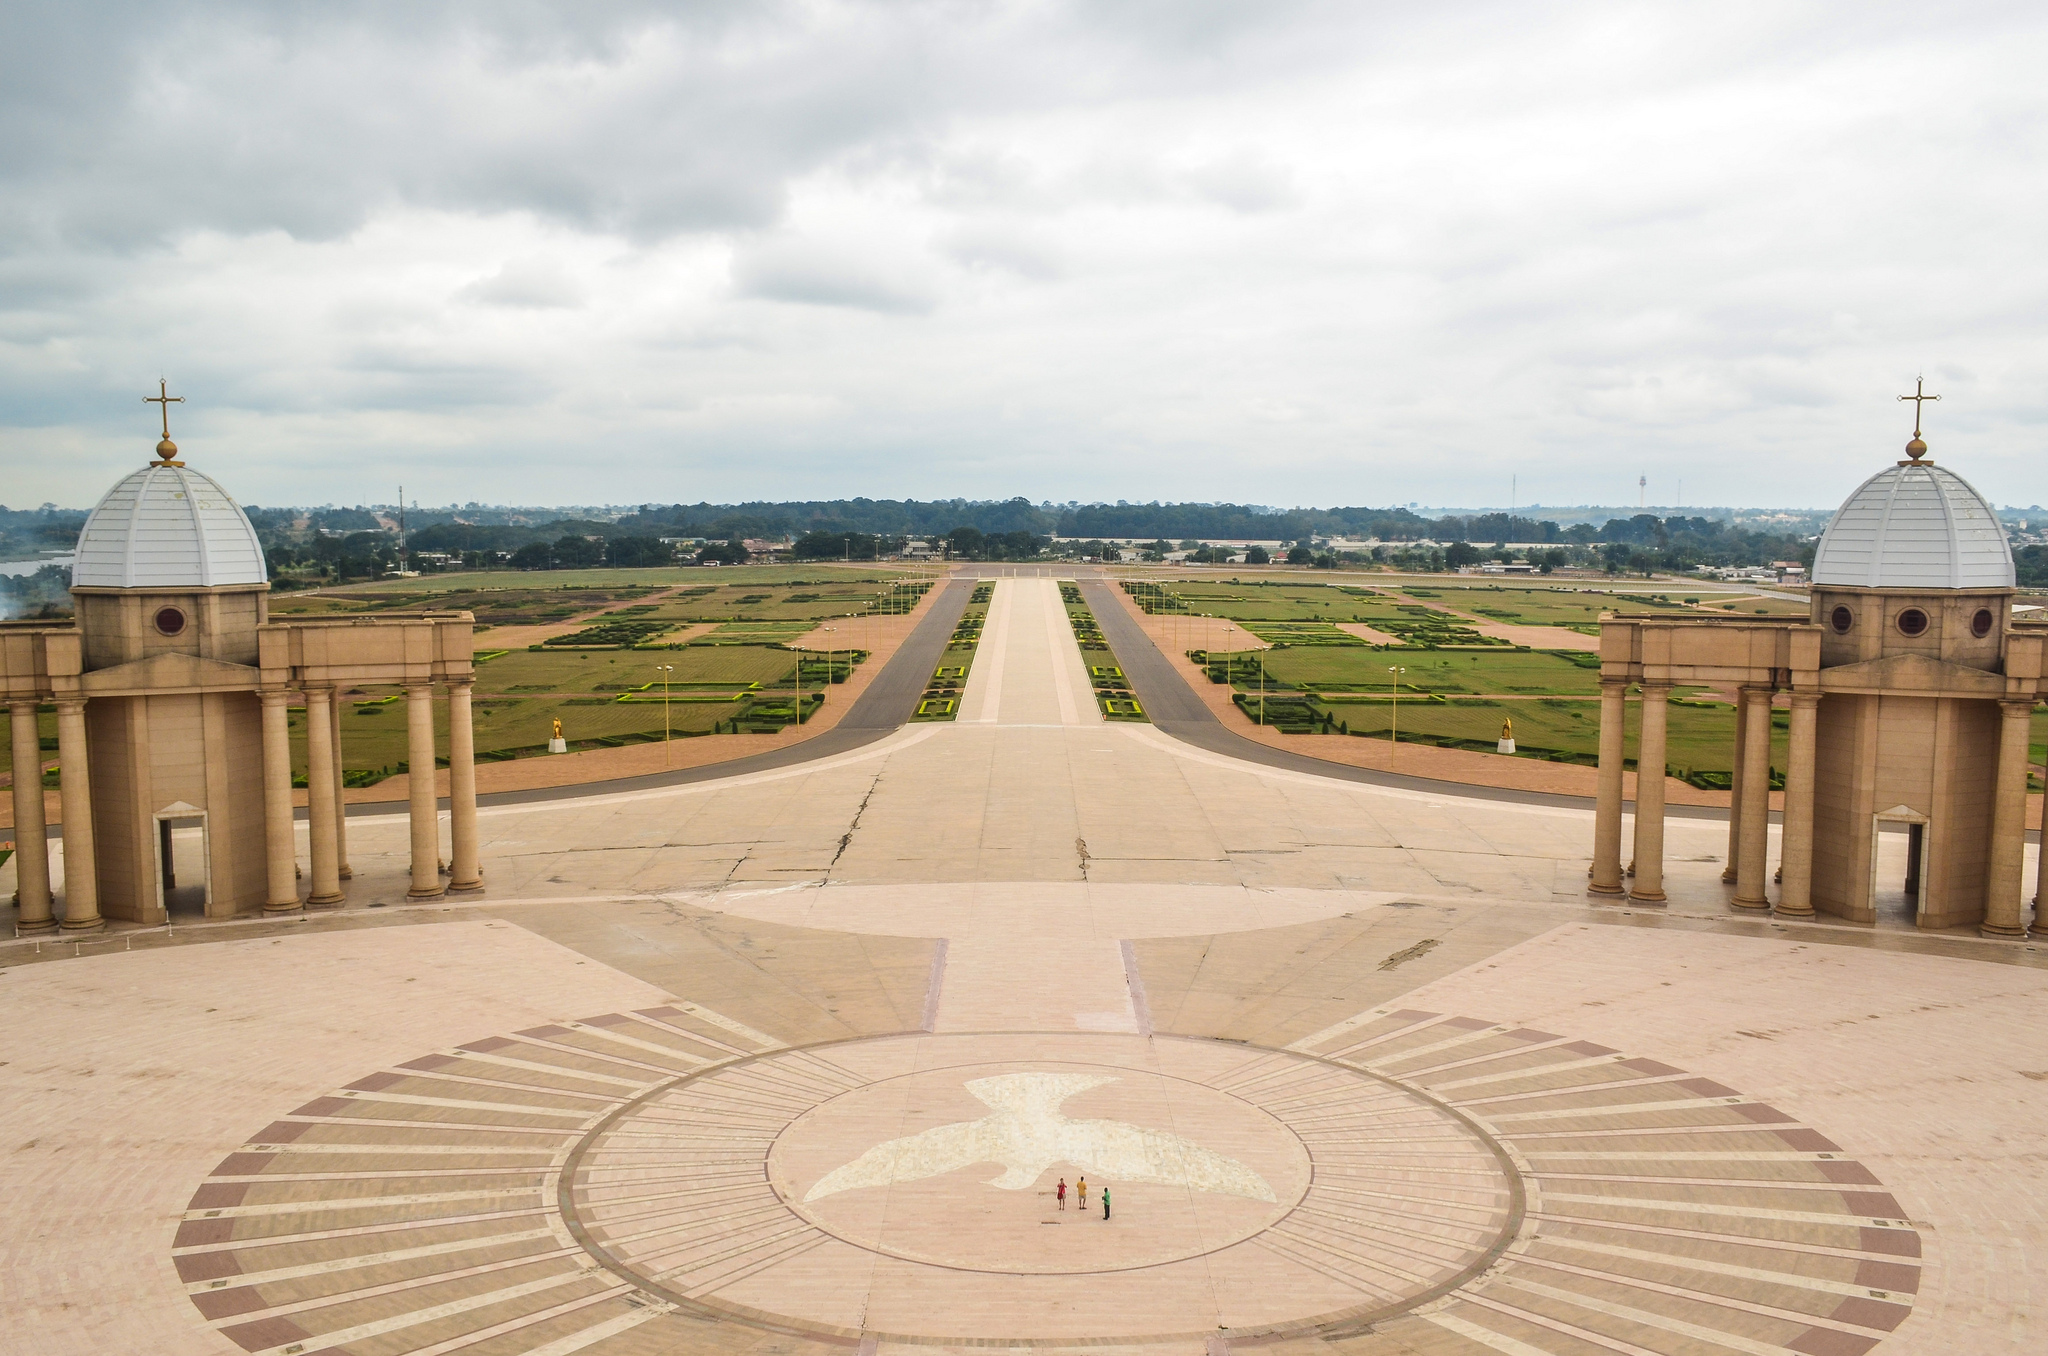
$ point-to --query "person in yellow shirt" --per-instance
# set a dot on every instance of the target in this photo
(1081, 1186)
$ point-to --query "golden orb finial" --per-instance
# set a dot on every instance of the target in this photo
(163, 399)
(1917, 448)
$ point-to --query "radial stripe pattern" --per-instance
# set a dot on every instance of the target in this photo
(603, 1186)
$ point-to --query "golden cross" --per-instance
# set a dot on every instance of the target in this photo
(165, 399)
(1918, 397)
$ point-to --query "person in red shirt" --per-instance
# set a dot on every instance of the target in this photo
(1062, 1193)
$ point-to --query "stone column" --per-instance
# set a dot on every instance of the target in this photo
(341, 867)
(426, 824)
(1753, 808)
(1649, 880)
(31, 835)
(322, 803)
(1607, 803)
(464, 872)
(2041, 877)
(280, 855)
(1795, 856)
(81, 873)
(2004, 914)
(1728, 872)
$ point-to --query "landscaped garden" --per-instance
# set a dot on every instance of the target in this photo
(639, 662)
(948, 683)
(1441, 682)
(1113, 694)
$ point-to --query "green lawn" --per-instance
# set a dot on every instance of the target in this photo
(1519, 672)
(525, 671)
(1699, 738)
(1565, 605)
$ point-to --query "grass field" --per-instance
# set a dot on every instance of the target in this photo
(1572, 604)
(506, 598)
(737, 676)
(1700, 737)
(1516, 672)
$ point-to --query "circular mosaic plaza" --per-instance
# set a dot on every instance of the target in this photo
(560, 1189)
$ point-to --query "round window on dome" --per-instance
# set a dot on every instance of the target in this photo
(170, 621)
(1980, 625)
(1841, 619)
(1913, 621)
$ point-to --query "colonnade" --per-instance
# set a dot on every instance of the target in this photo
(327, 813)
(327, 819)
(1749, 806)
(1749, 800)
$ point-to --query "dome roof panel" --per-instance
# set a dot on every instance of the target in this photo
(1914, 526)
(167, 527)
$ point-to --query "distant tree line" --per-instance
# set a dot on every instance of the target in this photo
(357, 543)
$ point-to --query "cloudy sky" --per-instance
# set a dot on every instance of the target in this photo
(1272, 251)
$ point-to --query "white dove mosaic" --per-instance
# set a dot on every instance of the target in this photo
(1027, 1133)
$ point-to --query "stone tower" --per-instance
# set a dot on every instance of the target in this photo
(170, 588)
(1912, 588)
(1908, 693)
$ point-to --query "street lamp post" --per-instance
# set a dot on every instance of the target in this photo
(1394, 721)
(666, 671)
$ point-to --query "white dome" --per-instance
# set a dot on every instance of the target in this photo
(1914, 527)
(167, 527)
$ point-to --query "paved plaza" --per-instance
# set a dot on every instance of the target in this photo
(792, 1059)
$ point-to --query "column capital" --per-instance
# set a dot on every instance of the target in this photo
(70, 704)
(2017, 706)
(273, 696)
(1649, 687)
(1614, 684)
(1805, 701)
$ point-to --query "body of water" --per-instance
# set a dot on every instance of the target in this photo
(31, 566)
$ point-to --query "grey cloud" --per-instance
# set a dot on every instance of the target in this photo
(1246, 180)
(1110, 243)
(822, 275)
(127, 127)
(1012, 249)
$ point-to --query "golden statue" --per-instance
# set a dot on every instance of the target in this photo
(558, 727)
(1507, 728)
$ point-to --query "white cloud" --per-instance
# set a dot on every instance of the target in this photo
(542, 284)
(1293, 252)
